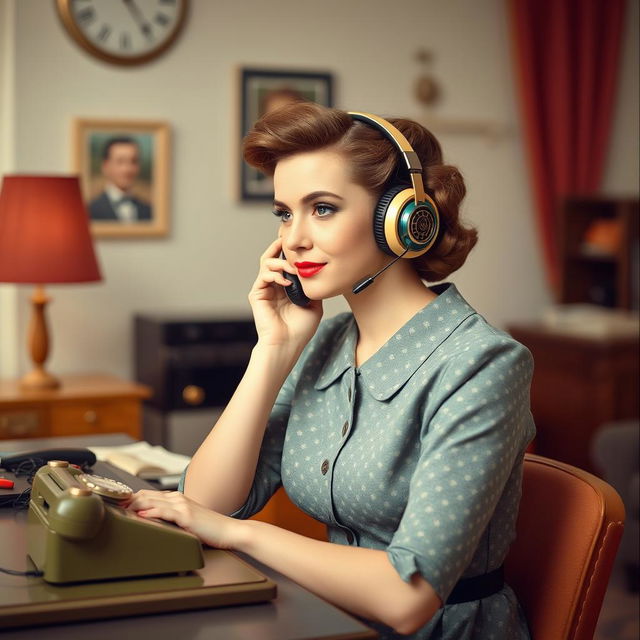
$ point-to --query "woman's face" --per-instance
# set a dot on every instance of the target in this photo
(326, 223)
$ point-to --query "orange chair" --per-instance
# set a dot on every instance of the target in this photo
(568, 531)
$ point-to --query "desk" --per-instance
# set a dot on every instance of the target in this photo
(295, 613)
(84, 404)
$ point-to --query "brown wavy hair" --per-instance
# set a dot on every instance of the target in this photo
(375, 165)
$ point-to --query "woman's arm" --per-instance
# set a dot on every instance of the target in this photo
(362, 581)
(221, 471)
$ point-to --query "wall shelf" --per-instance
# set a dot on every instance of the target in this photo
(608, 277)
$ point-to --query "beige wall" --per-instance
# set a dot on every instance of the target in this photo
(9, 345)
(209, 260)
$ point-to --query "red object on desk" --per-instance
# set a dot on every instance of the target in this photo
(6, 484)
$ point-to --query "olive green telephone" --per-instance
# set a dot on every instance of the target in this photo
(78, 531)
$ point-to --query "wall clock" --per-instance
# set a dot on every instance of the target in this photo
(124, 32)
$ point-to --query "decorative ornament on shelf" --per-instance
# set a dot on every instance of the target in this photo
(427, 89)
(428, 92)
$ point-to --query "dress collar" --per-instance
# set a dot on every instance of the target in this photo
(387, 370)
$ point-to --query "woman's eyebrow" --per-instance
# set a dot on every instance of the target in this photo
(309, 197)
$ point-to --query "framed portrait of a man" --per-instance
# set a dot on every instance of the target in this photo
(263, 90)
(124, 172)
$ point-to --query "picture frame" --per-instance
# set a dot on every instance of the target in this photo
(123, 166)
(262, 89)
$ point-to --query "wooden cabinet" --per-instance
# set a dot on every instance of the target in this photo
(83, 405)
(598, 248)
(579, 384)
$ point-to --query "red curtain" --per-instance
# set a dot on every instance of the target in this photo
(566, 63)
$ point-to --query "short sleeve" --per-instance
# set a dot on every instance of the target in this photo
(468, 450)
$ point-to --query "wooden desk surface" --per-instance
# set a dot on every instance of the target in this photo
(295, 614)
(77, 386)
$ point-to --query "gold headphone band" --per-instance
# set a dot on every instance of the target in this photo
(414, 166)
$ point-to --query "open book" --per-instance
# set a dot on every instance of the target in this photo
(146, 461)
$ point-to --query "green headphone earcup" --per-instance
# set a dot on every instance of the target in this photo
(380, 214)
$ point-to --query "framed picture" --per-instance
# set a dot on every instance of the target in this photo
(263, 90)
(124, 172)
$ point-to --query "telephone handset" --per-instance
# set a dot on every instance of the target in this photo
(78, 530)
(294, 291)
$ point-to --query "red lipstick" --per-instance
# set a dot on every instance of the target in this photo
(308, 269)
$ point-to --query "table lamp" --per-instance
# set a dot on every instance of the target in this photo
(44, 239)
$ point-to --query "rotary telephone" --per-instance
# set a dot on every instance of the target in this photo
(78, 531)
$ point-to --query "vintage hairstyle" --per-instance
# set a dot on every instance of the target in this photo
(375, 165)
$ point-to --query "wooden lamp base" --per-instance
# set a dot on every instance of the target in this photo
(39, 378)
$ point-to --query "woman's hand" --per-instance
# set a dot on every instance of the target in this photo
(210, 527)
(278, 321)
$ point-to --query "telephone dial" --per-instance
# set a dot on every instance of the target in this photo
(78, 530)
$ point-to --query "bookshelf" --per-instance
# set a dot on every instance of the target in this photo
(598, 243)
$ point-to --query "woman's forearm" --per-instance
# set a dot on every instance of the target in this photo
(362, 581)
(221, 472)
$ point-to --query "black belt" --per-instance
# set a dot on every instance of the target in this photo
(477, 587)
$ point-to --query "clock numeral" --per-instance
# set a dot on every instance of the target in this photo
(125, 40)
(146, 29)
(87, 15)
(162, 19)
(104, 32)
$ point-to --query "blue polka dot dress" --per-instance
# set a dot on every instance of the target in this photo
(418, 452)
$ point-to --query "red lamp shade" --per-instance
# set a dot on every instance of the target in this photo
(44, 231)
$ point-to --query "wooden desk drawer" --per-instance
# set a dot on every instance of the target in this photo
(22, 423)
(95, 417)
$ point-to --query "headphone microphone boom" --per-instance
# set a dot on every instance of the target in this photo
(364, 283)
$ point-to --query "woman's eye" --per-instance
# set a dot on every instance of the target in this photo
(324, 210)
(283, 215)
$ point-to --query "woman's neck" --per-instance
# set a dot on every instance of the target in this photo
(385, 306)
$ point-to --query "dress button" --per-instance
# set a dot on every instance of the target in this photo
(325, 467)
(345, 428)
(349, 537)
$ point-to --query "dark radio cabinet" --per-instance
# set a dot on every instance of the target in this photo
(189, 362)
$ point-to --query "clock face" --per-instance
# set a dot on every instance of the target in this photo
(123, 31)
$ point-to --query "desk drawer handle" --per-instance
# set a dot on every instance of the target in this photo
(90, 417)
(193, 394)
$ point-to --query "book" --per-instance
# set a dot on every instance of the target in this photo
(146, 461)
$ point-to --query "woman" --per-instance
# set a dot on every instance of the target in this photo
(402, 425)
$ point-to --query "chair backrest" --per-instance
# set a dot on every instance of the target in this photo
(568, 531)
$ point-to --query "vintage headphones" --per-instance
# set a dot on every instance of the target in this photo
(406, 220)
